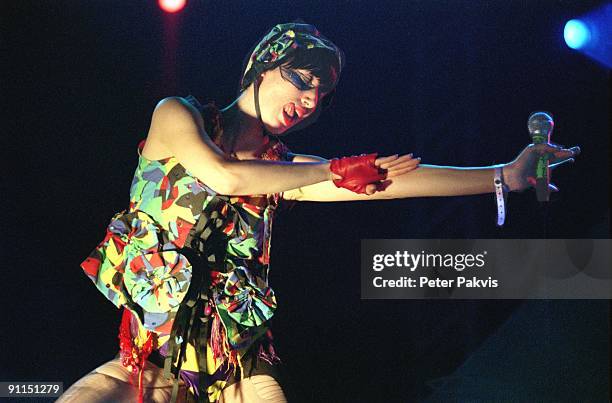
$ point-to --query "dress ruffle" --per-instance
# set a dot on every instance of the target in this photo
(246, 299)
(129, 263)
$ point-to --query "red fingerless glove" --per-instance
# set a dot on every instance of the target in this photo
(356, 172)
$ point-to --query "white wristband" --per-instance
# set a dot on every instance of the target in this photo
(500, 195)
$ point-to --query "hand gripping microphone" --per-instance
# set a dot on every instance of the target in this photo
(540, 126)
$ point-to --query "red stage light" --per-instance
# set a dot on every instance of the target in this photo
(171, 6)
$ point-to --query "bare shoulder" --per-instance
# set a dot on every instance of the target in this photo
(171, 114)
(173, 111)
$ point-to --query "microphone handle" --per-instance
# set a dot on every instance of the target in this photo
(542, 172)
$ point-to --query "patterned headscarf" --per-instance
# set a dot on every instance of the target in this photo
(278, 44)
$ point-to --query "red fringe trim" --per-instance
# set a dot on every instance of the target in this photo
(132, 357)
(220, 346)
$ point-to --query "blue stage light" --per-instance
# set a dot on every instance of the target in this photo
(576, 34)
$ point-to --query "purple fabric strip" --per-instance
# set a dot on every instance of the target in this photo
(191, 379)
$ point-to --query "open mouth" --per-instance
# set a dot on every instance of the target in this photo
(289, 114)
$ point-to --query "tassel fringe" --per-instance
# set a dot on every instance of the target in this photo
(134, 357)
(221, 348)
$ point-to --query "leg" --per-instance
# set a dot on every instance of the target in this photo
(98, 388)
(254, 389)
(112, 383)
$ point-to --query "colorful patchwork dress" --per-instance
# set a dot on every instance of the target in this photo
(190, 268)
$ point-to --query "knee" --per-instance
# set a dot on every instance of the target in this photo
(254, 389)
(268, 389)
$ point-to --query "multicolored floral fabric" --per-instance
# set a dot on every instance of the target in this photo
(156, 280)
(138, 265)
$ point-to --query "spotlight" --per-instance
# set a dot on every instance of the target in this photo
(576, 34)
(171, 6)
(591, 34)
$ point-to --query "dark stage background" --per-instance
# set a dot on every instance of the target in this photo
(451, 81)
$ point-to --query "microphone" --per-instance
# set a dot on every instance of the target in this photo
(540, 126)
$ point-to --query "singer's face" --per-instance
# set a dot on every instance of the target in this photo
(287, 97)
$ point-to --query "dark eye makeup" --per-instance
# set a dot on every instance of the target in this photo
(295, 78)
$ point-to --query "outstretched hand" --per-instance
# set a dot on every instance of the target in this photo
(520, 173)
(394, 165)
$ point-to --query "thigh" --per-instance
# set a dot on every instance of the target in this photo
(98, 388)
(111, 382)
(254, 389)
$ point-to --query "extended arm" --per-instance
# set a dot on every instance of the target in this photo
(426, 180)
(177, 129)
(432, 180)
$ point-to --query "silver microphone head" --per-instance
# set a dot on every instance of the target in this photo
(540, 124)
